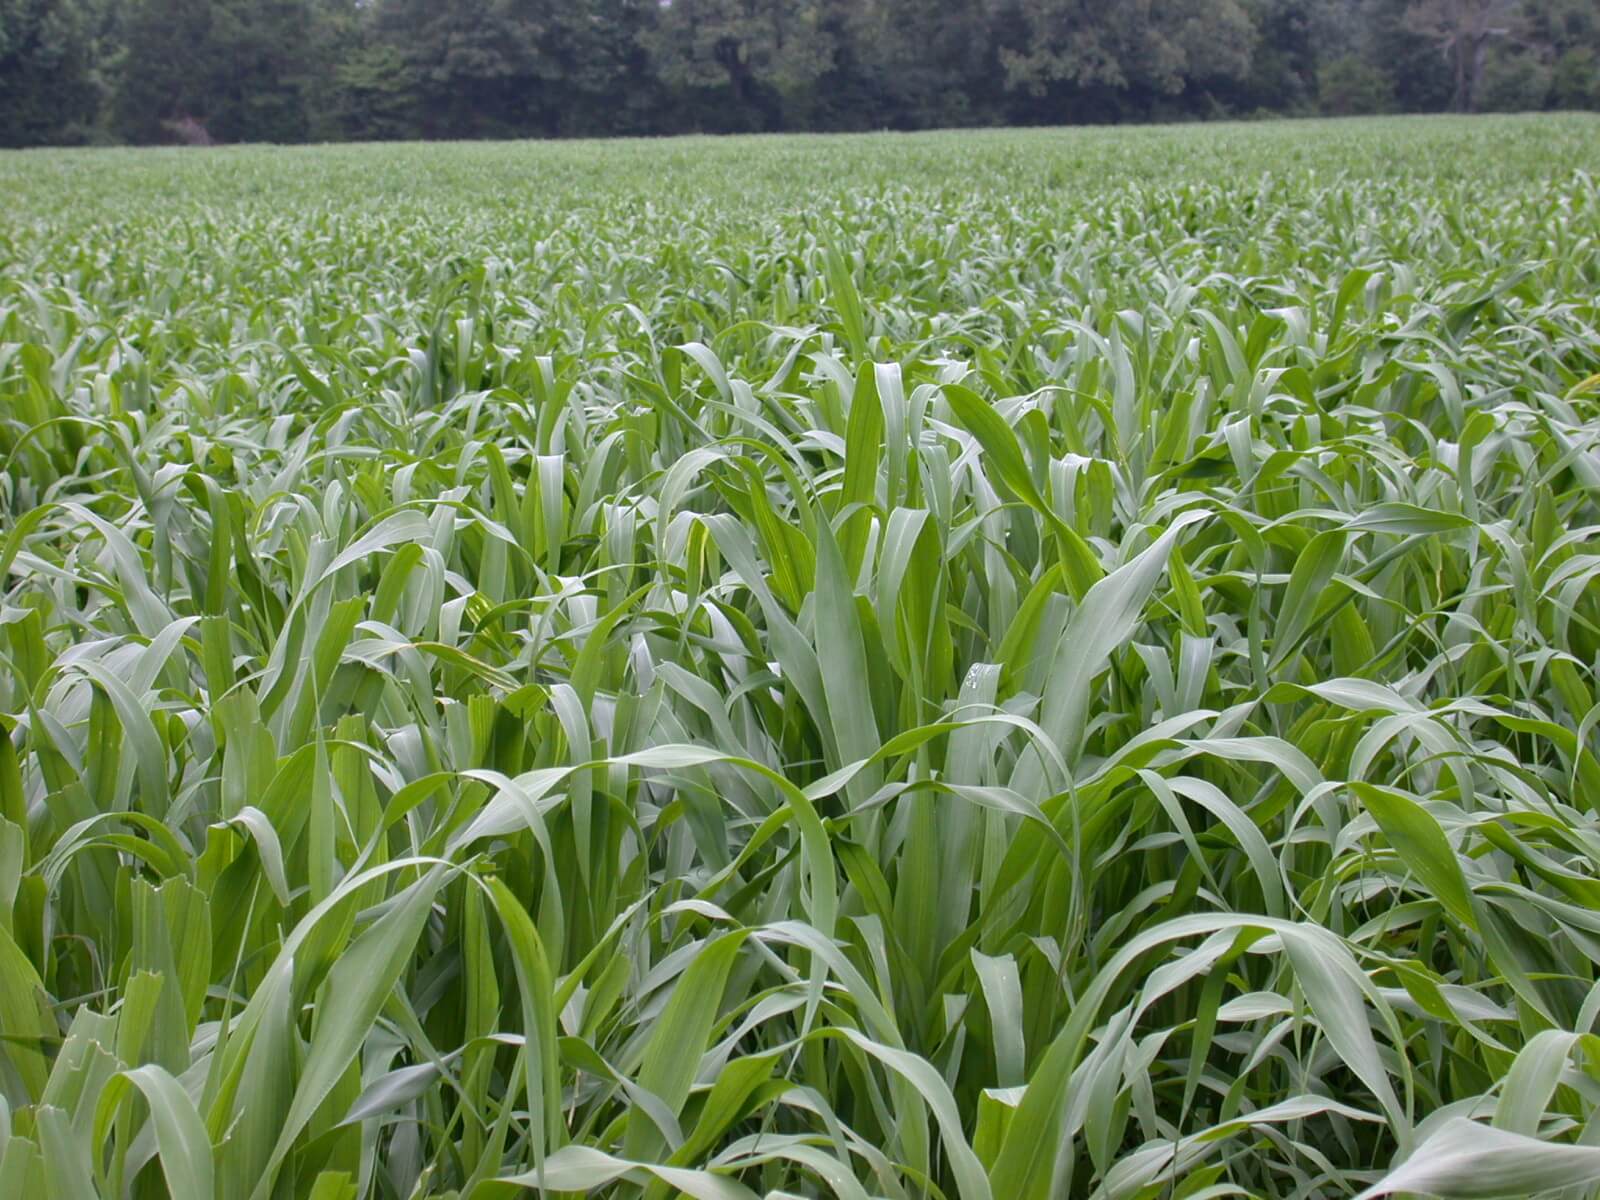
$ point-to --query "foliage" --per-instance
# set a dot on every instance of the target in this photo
(757, 51)
(1575, 79)
(985, 665)
(230, 67)
(325, 70)
(1346, 87)
(1464, 30)
(1158, 44)
(48, 89)
(1516, 82)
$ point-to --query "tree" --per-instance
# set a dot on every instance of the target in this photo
(158, 80)
(1154, 47)
(353, 86)
(476, 68)
(292, 70)
(1463, 30)
(369, 95)
(1284, 61)
(231, 70)
(1565, 36)
(591, 72)
(1376, 31)
(1348, 87)
(927, 63)
(1575, 79)
(258, 53)
(48, 90)
(465, 63)
(755, 52)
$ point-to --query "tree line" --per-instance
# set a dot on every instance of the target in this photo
(142, 71)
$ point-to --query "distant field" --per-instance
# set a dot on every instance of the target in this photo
(983, 665)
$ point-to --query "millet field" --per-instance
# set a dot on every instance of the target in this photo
(987, 666)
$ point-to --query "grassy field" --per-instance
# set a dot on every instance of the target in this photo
(995, 666)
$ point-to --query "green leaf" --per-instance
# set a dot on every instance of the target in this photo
(680, 1037)
(1422, 846)
(1467, 1161)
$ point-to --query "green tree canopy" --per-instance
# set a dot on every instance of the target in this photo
(296, 70)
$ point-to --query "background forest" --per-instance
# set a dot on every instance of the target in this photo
(86, 71)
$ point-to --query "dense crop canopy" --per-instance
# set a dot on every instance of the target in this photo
(1014, 665)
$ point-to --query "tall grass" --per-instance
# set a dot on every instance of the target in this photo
(1013, 665)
